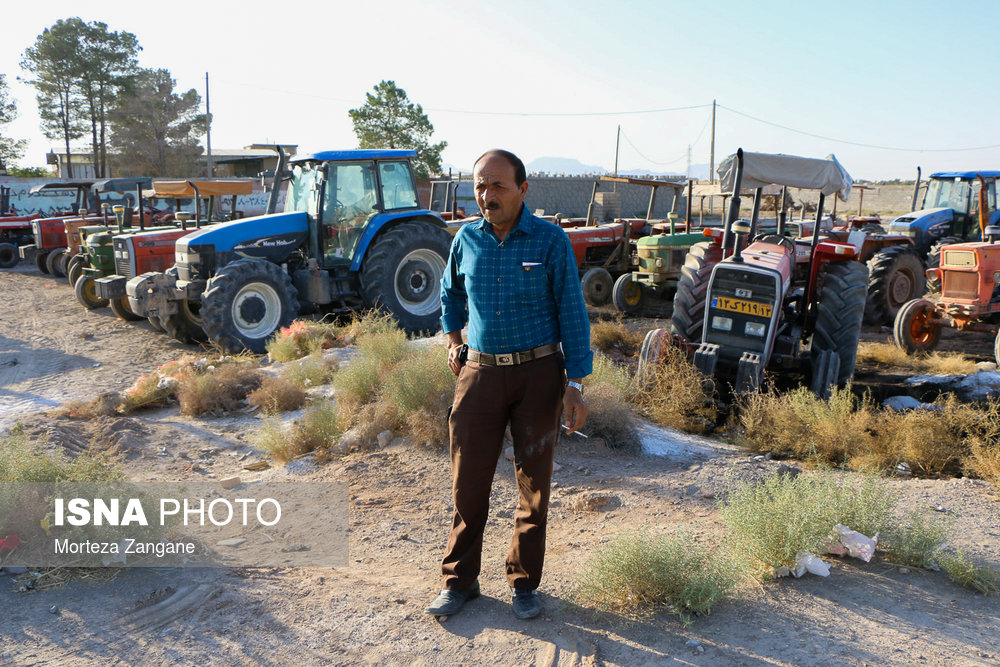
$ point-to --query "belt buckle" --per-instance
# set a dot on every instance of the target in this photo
(505, 359)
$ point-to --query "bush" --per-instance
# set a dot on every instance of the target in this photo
(960, 568)
(769, 523)
(301, 339)
(277, 393)
(609, 390)
(20, 461)
(612, 335)
(887, 356)
(311, 371)
(319, 428)
(638, 574)
(915, 542)
(676, 394)
(220, 390)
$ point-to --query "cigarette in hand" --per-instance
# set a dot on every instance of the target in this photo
(574, 432)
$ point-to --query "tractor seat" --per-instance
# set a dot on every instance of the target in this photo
(993, 233)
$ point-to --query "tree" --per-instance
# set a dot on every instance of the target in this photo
(52, 59)
(79, 68)
(154, 131)
(389, 120)
(10, 149)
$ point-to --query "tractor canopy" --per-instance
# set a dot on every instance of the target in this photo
(362, 154)
(762, 169)
(206, 188)
(70, 184)
(121, 184)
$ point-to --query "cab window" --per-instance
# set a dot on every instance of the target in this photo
(397, 185)
(351, 201)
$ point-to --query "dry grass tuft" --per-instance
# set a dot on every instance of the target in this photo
(311, 371)
(300, 339)
(277, 393)
(319, 428)
(984, 461)
(609, 390)
(220, 390)
(608, 335)
(677, 395)
(886, 355)
(105, 405)
(917, 541)
(964, 572)
(638, 574)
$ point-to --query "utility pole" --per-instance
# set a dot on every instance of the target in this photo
(617, 144)
(688, 172)
(711, 166)
(208, 130)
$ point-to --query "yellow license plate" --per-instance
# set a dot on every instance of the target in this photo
(741, 306)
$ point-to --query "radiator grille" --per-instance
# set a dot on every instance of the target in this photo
(960, 285)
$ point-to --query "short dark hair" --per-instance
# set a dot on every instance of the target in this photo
(520, 175)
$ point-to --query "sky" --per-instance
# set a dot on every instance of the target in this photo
(885, 86)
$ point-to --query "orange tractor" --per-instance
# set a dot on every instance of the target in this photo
(969, 275)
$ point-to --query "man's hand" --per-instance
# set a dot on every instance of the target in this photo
(454, 349)
(574, 410)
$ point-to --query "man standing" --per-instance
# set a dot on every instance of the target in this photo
(513, 278)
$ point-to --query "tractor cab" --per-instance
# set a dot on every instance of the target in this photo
(343, 195)
(950, 211)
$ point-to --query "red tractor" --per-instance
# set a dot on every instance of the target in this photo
(969, 275)
(749, 301)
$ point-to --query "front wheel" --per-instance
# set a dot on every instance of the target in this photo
(122, 311)
(896, 275)
(54, 263)
(8, 256)
(74, 269)
(86, 293)
(914, 329)
(402, 274)
(596, 284)
(629, 295)
(40, 261)
(245, 302)
(186, 324)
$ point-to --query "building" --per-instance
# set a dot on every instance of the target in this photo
(250, 161)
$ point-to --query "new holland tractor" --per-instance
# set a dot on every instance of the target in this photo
(949, 214)
(352, 235)
(749, 301)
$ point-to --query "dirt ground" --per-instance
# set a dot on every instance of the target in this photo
(370, 612)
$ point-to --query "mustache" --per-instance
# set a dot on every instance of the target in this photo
(492, 206)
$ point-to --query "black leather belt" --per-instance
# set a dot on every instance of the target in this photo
(514, 358)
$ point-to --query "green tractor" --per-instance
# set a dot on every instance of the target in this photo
(656, 259)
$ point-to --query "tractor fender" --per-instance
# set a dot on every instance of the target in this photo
(385, 221)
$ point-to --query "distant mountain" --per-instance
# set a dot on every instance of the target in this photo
(562, 165)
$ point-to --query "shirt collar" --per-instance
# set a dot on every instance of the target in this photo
(525, 223)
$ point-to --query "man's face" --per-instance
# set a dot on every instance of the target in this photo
(498, 195)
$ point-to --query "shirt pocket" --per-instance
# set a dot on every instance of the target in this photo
(532, 282)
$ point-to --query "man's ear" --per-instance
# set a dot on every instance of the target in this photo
(524, 189)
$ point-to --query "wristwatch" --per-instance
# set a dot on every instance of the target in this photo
(576, 385)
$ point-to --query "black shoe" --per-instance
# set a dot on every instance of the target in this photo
(526, 603)
(449, 602)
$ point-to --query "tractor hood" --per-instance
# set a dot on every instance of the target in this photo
(924, 227)
(265, 236)
(763, 169)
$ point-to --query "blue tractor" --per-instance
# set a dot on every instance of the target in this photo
(949, 214)
(352, 235)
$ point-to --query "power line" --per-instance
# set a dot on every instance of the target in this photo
(856, 143)
(664, 164)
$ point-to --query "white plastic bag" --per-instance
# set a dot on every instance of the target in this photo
(857, 545)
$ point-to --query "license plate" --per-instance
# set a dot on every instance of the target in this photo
(741, 306)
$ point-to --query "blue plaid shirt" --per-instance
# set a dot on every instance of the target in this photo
(519, 293)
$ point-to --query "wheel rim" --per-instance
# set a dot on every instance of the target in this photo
(90, 291)
(417, 282)
(921, 328)
(256, 310)
(633, 293)
(191, 311)
(901, 288)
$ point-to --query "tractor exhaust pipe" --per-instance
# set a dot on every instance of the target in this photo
(734, 202)
(687, 207)
(279, 175)
(142, 208)
(916, 190)
(783, 212)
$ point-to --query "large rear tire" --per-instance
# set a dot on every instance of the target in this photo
(40, 261)
(596, 284)
(913, 330)
(245, 303)
(934, 261)
(155, 323)
(186, 324)
(122, 310)
(840, 307)
(402, 273)
(8, 256)
(688, 317)
(895, 276)
(53, 262)
(86, 294)
(628, 295)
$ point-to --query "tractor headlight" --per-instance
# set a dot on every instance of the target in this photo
(996, 276)
(722, 323)
(755, 329)
(659, 262)
(188, 257)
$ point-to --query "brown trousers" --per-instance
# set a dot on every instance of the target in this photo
(529, 397)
